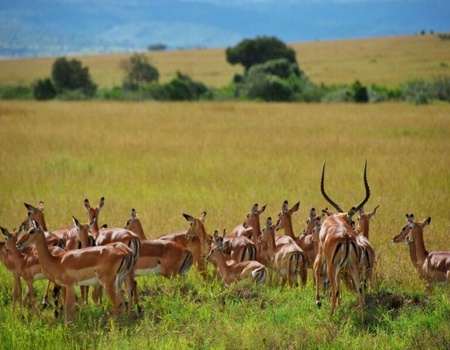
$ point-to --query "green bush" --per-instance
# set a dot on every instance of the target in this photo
(43, 89)
(280, 67)
(15, 92)
(417, 91)
(441, 88)
(266, 87)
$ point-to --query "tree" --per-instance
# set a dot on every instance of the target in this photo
(71, 75)
(138, 71)
(43, 89)
(254, 51)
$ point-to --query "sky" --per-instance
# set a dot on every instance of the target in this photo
(54, 27)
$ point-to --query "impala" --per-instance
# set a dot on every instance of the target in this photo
(23, 265)
(304, 240)
(130, 239)
(195, 239)
(251, 227)
(338, 248)
(93, 212)
(367, 256)
(233, 271)
(158, 256)
(433, 266)
(108, 265)
(287, 259)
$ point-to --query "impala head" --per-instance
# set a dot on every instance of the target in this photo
(364, 219)
(217, 245)
(10, 237)
(407, 232)
(348, 216)
(268, 232)
(30, 237)
(252, 219)
(133, 221)
(285, 215)
(316, 230)
(36, 214)
(94, 211)
(311, 221)
(197, 226)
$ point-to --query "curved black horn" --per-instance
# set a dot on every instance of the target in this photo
(322, 189)
(366, 185)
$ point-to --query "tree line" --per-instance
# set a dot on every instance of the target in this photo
(271, 73)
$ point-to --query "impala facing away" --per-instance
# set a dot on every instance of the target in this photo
(158, 256)
(108, 265)
(338, 248)
(433, 266)
(232, 271)
(286, 258)
(304, 240)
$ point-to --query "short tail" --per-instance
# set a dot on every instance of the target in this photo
(259, 275)
(187, 263)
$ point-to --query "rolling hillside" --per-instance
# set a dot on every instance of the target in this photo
(387, 61)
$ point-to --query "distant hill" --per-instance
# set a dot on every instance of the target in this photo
(61, 27)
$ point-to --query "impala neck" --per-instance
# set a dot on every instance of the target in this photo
(45, 257)
(364, 226)
(412, 253)
(83, 235)
(224, 269)
(288, 228)
(136, 227)
(421, 252)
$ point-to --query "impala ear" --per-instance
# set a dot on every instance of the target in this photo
(427, 221)
(295, 207)
(87, 205)
(101, 203)
(284, 206)
(202, 216)
(76, 222)
(5, 232)
(133, 213)
(262, 209)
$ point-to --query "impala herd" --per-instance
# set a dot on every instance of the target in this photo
(111, 259)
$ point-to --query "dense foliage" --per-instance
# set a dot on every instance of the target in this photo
(271, 73)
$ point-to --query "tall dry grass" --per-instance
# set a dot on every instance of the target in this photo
(166, 159)
(386, 61)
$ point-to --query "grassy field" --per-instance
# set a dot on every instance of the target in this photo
(387, 61)
(166, 159)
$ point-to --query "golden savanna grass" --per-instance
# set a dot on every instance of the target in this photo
(387, 61)
(166, 159)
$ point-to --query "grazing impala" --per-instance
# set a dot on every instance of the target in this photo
(158, 256)
(195, 239)
(232, 271)
(108, 265)
(433, 266)
(338, 248)
(287, 259)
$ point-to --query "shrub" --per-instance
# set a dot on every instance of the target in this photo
(441, 88)
(280, 67)
(266, 87)
(43, 89)
(417, 91)
(15, 92)
(359, 92)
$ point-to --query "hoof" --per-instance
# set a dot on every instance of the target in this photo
(319, 304)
